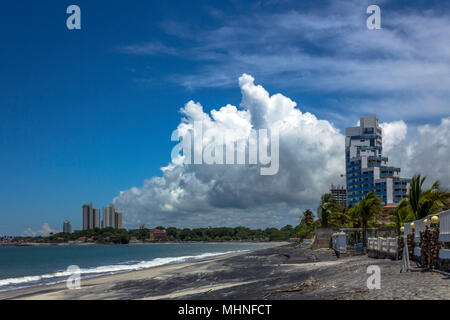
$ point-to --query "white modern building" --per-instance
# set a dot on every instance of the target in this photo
(366, 168)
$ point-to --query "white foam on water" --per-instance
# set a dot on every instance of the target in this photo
(111, 269)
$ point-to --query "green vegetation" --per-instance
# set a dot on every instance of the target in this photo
(105, 235)
(307, 226)
(227, 234)
(326, 208)
(421, 203)
(331, 214)
(122, 236)
(366, 211)
(401, 215)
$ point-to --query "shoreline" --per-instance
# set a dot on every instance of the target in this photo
(122, 274)
(289, 271)
(38, 292)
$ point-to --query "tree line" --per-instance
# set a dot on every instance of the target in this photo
(123, 236)
(419, 203)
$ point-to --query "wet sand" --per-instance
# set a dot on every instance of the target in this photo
(285, 272)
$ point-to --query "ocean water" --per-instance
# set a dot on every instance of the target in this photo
(22, 267)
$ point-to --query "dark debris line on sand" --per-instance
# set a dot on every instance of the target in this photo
(309, 284)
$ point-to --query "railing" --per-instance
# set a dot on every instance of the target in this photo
(392, 245)
(372, 244)
(444, 232)
(383, 247)
(444, 254)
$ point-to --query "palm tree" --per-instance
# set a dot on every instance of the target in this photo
(340, 217)
(308, 217)
(414, 193)
(366, 211)
(402, 214)
(305, 229)
(423, 203)
(327, 206)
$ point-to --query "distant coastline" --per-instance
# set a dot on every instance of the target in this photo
(44, 244)
(159, 234)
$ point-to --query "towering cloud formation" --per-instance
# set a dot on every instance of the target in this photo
(425, 151)
(311, 158)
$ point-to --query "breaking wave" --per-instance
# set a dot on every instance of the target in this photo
(102, 270)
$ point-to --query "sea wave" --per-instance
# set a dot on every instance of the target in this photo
(111, 269)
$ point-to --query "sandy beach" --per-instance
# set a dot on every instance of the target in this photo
(289, 271)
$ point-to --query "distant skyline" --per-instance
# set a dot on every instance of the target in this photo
(87, 114)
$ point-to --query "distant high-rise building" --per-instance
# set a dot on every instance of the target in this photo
(67, 227)
(118, 220)
(109, 216)
(96, 215)
(339, 194)
(366, 169)
(87, 209)
(112, 218)
(91, 217)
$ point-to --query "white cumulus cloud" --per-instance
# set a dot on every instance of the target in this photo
(393, 134)
(426, 150)
(44, 231)
(311, 157)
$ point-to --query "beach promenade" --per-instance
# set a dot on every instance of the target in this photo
(285, 272)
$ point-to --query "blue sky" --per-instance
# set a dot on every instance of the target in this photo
(85, 114)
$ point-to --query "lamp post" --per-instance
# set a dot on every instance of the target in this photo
(434, 220)
(405, 253)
